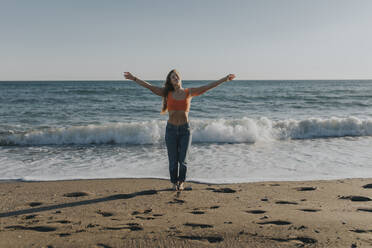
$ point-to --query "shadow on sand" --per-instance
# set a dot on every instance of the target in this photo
(84, 202)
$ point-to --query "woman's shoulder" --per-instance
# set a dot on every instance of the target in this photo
(188, 90)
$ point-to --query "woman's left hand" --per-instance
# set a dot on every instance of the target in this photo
(230, 77)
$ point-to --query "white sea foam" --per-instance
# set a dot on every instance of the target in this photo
(244, 130)
(307, 159)
(318, 128)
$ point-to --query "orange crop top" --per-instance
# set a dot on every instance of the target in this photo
(174, 104)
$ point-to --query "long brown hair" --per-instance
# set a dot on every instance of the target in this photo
(168, 86)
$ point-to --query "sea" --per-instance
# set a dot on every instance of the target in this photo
(242, 131)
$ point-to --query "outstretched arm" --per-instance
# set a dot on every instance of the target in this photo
(156, 90)
(201, 90)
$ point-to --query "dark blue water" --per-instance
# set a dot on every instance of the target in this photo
(106, 125)
(57, 104)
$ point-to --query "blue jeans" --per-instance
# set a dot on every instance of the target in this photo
(178, 141)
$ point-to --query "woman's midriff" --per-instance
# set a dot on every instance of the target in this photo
(178, 117)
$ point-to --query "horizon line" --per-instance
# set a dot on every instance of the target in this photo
(119, 80)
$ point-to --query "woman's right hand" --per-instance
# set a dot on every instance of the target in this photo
(129, 76)
(230, 77)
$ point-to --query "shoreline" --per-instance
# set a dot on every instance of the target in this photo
(132, 212)
(187, 181)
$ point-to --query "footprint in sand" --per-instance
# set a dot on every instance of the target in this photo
(195, 225)
(144, 212)
(275, 222)
(145, 218)
(197, 212)
(256, 211)
(64, 234)
(115, 228)
(302, 227)
(75, 194)
(305, 188)
(62, 221)
(286, 202)
(360, 231)
(34, 204)
(355, 198)
(31, 216)
(33, 228)
(147, 211)
(365, 209)
(176, 201)
(222, 190)
(309, 210)
(130, 226)
(134, 226)
(210, 239)
(103, 245)
(31, 222)
(305, 240)
(368, 186)
(104, 214)
(90, 225)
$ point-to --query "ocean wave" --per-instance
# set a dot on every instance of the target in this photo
(244, 130)
(323, 128)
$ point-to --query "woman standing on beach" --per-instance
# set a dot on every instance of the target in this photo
(176, 100)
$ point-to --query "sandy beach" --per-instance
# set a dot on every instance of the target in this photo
(147, 213)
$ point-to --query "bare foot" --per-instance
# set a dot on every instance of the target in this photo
(175, 187)
(181, 186)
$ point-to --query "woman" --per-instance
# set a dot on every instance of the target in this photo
(176, 100)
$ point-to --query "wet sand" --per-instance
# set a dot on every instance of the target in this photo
(147, 213)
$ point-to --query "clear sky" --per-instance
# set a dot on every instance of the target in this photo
(202, 39)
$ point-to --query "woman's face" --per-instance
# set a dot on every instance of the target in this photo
(175, 80)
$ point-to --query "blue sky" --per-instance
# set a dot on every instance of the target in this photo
(203, 39)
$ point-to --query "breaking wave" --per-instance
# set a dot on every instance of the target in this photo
(244, 130)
